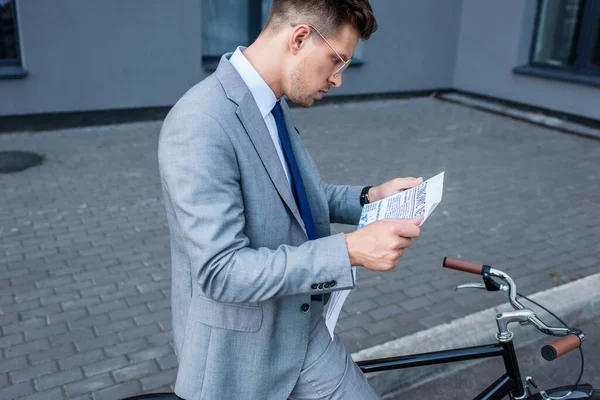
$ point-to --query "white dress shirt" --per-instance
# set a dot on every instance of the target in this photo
(263, 96)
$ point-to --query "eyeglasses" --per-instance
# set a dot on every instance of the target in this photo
(344, 63)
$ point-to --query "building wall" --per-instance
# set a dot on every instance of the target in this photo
(114, 54)
(495, 37)
(413, 49)
(109, 54)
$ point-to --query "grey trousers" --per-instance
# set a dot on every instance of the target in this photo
(329, 371)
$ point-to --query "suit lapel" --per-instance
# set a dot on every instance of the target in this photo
(257, 130)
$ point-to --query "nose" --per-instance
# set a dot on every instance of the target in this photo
(336, 80)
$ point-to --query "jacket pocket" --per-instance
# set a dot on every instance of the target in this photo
(232, 316)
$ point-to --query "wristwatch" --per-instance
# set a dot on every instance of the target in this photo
(364, 195)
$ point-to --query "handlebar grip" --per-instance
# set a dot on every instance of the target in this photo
(560, 347)
(463, 265)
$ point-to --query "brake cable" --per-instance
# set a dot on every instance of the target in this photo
(565, 325)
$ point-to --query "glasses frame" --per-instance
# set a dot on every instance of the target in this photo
(345, 63)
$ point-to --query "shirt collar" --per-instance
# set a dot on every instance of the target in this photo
(262, 93)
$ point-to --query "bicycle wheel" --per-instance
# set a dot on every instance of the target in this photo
(582, 392)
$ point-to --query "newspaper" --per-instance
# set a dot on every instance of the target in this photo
(420, 200)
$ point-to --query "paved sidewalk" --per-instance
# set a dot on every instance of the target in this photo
(84, 256)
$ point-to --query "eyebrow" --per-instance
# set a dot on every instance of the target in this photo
(343, 55)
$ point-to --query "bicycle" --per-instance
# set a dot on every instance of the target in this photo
(509, 384)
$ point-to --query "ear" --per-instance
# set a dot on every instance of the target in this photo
(298, 38)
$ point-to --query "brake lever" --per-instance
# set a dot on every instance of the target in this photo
(489, 284)
(471, 286)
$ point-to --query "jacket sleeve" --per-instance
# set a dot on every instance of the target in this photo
(201, 182)
(344, 203)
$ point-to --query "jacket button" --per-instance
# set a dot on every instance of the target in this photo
(320, 286)
(314, 286)
(326, 285)
(332, 283)
(305, 307)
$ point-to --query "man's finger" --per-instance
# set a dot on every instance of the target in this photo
(407, 183)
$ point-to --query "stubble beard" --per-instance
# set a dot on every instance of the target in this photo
(299, 88)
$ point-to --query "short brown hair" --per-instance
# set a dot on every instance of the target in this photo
(328, 15)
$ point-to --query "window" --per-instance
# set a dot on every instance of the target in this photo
(227, 25)
(10, 59)
(567, 37)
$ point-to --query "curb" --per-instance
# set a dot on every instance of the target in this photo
(533, 117)
(574, 302)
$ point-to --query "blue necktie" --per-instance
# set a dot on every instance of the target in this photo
(297, 184)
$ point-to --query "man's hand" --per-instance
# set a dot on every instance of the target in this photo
(379, 245)
(392, 187)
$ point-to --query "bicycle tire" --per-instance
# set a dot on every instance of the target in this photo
(595, 394)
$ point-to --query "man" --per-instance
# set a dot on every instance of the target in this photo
(249, 217)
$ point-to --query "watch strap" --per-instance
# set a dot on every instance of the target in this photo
(364, 195)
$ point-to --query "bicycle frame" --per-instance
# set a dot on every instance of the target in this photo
(509, 383)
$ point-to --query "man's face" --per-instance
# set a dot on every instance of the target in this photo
(313, 72)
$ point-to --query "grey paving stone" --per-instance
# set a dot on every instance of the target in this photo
(10, 340)
(392, 298)
(353, 321)
(416, 291)
(80, 359)
(167, 362)
(71, 337)
(55, 353)
(68, 316)
(135, 371)
(385, 312)
(149, 318)
(386, 325)
(92, 343)
(46, 331)
(114, 327)
(13, 364)
(55, 393)
(415, 303)
(160, 338)
(153, 296)
(119, 391)
(105, 366)
(20, 307)
(83, 302)
(128, 312)
(91, 321)
(58, 379)
(37, 371)
(149, 353)
(59, 298)
(142, 331)
(26, 348)
(156, 380)
(107, 306)
(9, 318)
(156, 306)
(88, 385)
(124, 348)
(17, 390)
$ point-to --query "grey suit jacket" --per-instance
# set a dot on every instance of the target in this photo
(242, 266)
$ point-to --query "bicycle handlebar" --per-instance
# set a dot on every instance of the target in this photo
(485, 270)
(561, 347)
(463, 265)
